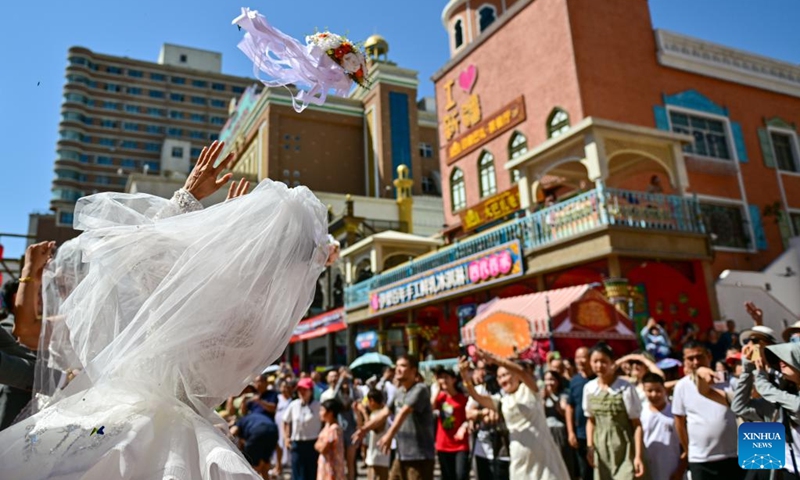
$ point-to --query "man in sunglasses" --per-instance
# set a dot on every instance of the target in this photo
(792, 334)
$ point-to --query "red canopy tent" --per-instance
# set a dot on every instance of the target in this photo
(579, 316)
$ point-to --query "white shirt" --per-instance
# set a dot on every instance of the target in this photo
(304, 420)
(620, 387)
(483, 443)
(661, 442)
(711, 426)
(376, 458)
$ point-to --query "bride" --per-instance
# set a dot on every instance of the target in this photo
(167, 309)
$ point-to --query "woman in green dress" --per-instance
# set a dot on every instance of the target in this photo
(613, 431)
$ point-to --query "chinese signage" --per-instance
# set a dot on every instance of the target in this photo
(470, 112)
(507, 118)
(493, 208)
(490, 266)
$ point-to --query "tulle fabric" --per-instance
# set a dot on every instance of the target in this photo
(166, 317)
(286, 61)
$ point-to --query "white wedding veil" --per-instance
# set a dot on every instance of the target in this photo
(189, 306)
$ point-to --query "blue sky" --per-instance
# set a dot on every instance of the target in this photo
(36, 37)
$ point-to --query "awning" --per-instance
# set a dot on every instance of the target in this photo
(328, 322)
(516, 322)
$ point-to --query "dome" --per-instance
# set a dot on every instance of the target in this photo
(376, 45)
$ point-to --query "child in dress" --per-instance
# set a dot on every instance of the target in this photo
(330, 444)
(377, 461)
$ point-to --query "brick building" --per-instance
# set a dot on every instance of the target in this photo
(590, 147)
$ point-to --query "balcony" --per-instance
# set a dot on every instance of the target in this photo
(572, 219)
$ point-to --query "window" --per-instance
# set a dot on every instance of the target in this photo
(236, 89)
(425, 150)
(458, 190)
(458, 33)
(557, 123)
(153, 166)
(710, 136)
(515, 175)
(152, 147)
(174, 132)
(77, 61)
(158, 77)
(65, 218)
(196, 117)
(108, 124)
(183, 58)
(726, 225)
(213, 136)
(429, 186)
(199, 83)
(217, 120)
(114, 70)
(134, 91)
(131, 108)
(785, 153)
(197, 135)
(130, 126)
(111, 105)
(178, 80)
(156, 94)
(198, 100)
(486, 17)
(135, 73)
(217, 103)
(104, 161)
(108, 142)
(128, 163)
(218, 87)
(156, 112)
(176, 97)
(517, 146)
(101, 180)
(155, 129)
(177, 152)
(84, 159)
(113, 87)
(175, 114)
(196, 152)
(129, 144)
(488, 181)
(70, 135)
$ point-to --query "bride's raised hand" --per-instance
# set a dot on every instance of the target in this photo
(237, 189)
(203, 182)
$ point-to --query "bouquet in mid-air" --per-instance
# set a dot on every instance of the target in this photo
(327, 62)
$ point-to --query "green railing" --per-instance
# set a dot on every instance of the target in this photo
(561, 221)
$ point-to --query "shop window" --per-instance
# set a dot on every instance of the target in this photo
(710, 135)
(557, 123)
(488, 181)
(785, 147)
(486, 16)
(726, 225)
(458, 33)
(458, 190)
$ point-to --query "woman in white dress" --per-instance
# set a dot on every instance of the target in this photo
(533, 452)
(177, 307)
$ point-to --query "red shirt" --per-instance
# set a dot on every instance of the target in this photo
(452, 414)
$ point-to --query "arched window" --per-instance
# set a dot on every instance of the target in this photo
(518, 145)
(458, 190)
(557, 123)
(486, 169)
(486, 16)
(458, 33)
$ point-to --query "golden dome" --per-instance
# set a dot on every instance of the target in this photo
(376, 45)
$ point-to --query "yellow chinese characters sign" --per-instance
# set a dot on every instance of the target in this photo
(510, 116)
(491, 209)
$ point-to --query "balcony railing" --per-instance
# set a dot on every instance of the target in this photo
(564, 220)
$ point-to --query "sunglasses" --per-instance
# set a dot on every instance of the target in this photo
(756, 340)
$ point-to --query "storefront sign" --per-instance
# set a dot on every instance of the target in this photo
(324, 324)
(493, 208)
(367, 340)
(507, 118)
(491, 266)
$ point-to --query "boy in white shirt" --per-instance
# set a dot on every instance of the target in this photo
(377, 462)
(661, 442)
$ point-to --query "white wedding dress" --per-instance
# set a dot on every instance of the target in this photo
(166, 316)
